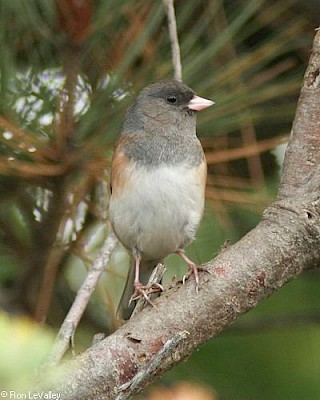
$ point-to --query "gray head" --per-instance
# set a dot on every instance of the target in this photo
(162, 105)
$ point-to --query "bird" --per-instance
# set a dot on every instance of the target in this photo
(158, 179)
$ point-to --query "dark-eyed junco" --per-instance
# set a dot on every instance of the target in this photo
(158, 181)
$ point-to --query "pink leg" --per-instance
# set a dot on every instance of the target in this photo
(140, 289)
(137, 271)
(193, 269)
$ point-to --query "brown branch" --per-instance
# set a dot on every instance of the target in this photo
(237, 197)
(216, 157)
(155, 363)
(175, 47)
(285, 243)
(50, 272)
(303, 150)
(28, 169)
(25, 138)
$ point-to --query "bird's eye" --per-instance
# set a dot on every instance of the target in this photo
(171, 98)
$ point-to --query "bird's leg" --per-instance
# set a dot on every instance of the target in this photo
(140, 290)
(154, 285)
(193, 269)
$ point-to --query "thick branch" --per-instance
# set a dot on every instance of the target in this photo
(303, 150)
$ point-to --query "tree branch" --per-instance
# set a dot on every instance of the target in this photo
(175, 47)
(303, 150)
(285, 243)
(80, 303)
(155, 363)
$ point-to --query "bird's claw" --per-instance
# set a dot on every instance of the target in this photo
(194, 270)
(144, 291)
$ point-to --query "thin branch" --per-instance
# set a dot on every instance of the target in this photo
(27, 169)
(175, 47)
(51, 269)
(216, 157)
(234, 196)
(80, 303)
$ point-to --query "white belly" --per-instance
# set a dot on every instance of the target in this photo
(160, 211)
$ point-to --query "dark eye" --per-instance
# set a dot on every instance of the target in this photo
(171, 98)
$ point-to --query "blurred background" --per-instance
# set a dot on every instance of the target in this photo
(68, 71)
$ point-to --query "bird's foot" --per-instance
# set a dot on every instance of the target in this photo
(193, 269)
(144, 291)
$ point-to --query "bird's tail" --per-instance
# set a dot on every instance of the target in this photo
(125, 310)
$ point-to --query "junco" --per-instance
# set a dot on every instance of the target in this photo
(158, 180)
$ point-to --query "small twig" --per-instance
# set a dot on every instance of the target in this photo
(220, 156)
(79, 305)
(175, 47)
(156, 277)
(151, 366)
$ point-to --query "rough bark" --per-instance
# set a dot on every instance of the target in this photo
(285, 243)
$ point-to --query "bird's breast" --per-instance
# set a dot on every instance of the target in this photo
(158, 209)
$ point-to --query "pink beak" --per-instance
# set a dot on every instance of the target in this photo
(199, 103)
